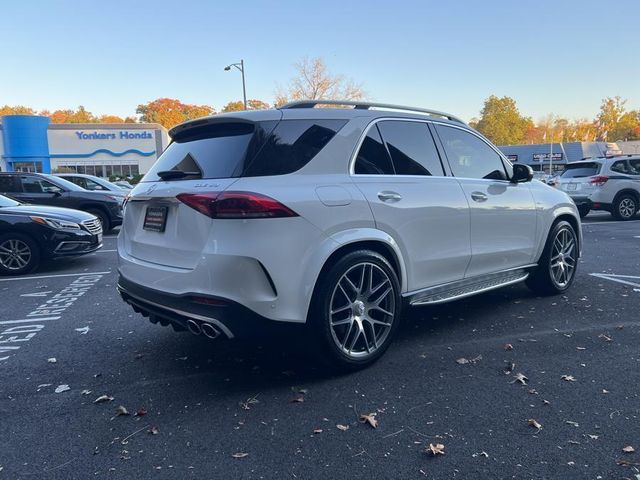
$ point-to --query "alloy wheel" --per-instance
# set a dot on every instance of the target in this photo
(14, 254)
(627, 207)
(363, 306)
(563, 257)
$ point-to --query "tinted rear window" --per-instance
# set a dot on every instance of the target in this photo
(581, 170)
(245, 149)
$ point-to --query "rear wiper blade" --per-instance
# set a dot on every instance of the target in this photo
(173, 174)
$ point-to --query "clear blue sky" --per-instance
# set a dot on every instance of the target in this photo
(560, 56)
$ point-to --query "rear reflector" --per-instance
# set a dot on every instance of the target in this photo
(235, 205)
(209, 301)
(598, 180)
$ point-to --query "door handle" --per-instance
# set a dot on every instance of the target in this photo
(389, 196)
(478, 197)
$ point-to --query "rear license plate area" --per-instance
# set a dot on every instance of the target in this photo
(155, 219)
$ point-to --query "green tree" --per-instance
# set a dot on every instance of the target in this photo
(314, 81)
(169, 112)
(614, 122)
(238, 105)
(501, 122)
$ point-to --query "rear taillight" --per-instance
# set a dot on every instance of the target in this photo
(598, 180)
(236, 205)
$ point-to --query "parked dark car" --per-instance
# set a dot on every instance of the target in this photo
(31, 233)
(40, 189)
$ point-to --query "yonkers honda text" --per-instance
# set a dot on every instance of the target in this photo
(337, 218)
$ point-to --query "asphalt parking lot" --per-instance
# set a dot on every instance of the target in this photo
(201, 409)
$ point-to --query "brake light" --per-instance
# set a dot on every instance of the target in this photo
(235, 205)
(598, 180)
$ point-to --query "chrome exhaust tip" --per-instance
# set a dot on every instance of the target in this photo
(209, 330)
(193, 327)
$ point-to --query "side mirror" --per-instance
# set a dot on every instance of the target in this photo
(521, 173)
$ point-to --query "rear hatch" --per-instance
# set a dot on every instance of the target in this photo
(159, 228)
(577, 178)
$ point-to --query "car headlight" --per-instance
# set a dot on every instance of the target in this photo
(56, 224)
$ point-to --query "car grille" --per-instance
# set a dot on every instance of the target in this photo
(93, 226)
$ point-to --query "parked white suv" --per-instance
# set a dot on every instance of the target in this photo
(611, 184)
(337, 217)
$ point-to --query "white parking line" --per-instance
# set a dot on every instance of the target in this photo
(619, 279)
(54, 276)
(28, 320)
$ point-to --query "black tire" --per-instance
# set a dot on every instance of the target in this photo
(104, 220)
(624, 207)
(544, 279)
(368, 340)
(28, 251)
(584, 210)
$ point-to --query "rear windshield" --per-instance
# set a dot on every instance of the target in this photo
(581, 170)
(245, 149)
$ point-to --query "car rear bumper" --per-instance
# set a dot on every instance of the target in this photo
(228, 318)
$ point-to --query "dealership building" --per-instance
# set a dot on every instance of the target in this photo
(31, 143)
(541, 156)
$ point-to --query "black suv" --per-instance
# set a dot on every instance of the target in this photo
(42, 189)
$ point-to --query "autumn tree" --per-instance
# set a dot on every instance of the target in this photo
(314, 81)
(501, 122)
(238, 105)
(169, 112)
(110, 119)
(614, 121)
(81, 115)
(16, 110)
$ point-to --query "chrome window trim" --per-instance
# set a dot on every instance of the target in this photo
(365, 132)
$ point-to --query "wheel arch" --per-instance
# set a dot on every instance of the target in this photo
(372, 239)
(573, 220)
(624, 191)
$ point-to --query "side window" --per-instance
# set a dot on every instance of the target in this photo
(411, 147)
(291, 145)
(635, 167)
(8, 184)
(620, 167)
(38, 185)
(469, 156)
(91, 185)
(372, 158)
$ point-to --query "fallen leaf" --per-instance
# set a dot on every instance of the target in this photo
(462, 361)
(85, 392)
(121, 411)
(481, 454)
(573, 442)
(140, 413)
(62, 388)
(580, 348)
(508, 346)
(437, 449)
(546, 402)
(520, 378)
(605, 391)
(240, 455)
(298, 399)
(605, 337)
(533, 391)
(52, 360)
(370, 419)
(317, 430)
(594, 437)
(344, 428)
(153, 431)
(534, 423)
(628, 449)
(626, 463)
(509, 368)
(103, 398)
(83, 330)
(246, 405)
(568, 378)
(569, 422)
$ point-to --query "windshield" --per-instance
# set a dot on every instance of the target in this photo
(7, 202)
(66, 184)
(583, 169)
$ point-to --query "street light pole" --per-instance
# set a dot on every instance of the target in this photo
(240, 66)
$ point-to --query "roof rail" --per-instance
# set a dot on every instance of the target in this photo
(368, 105)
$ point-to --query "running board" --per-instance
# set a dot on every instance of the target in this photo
(467, 287)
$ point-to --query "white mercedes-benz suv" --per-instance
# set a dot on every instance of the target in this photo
(337, 218)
